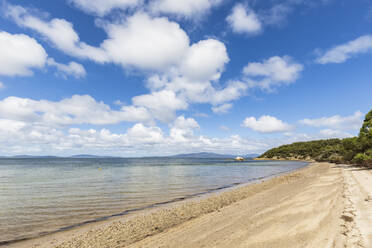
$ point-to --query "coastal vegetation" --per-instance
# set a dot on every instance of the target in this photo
(355, 150)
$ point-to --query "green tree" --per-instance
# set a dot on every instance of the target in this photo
(351, 147)
(350, 150)
(364, 157)
(365, 134)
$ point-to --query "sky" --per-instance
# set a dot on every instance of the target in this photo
(150, 78)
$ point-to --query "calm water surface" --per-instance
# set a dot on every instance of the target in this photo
(38, 196)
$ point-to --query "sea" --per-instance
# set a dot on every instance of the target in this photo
(39, 196)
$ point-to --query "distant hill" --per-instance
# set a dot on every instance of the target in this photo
(74, 156)
(30, 156)
(203, 155)
(89, 156)
(189, 155)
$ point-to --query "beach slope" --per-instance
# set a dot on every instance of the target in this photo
(322, 205)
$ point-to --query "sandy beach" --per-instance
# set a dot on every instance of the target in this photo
(322, 205)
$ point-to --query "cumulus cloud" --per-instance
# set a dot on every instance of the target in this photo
(182, 129)
(343, 52)
(186, 70)
(200, 91)
(101, 8)
(272, 72)
(233, 90)
(336, 122)
(244, 20)
(71, 69)
(128, 43)
(266, 124)
(32, 132)
(144, 135)
(190, 71)
(79, 109)
(185, 8)
(195, 78)
(16, 137)
(205, 60)
(162, 104)
(59, 32)
(19, 137)
(185, 123)
(20, 54)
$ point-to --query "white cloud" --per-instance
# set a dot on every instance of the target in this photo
(233, 90)
(144, 135)
(58, 31)
(184, 8)
(341, 53)
(16, 137)
(2, 85)
(266, 124)
(29, 132)
(222, 109)
(244, 20)
(11, 126)
(199, 91)
(162, 104)
(78, 109)
(20, 54)
(272, 72)
(190, 71)
(339, 122)
(182, 129)
(103, 7)
(128, 44)
(205, 60)
(74, 69)
(195, 78)
(185, 123)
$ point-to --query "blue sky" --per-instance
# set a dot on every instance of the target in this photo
(142, 78)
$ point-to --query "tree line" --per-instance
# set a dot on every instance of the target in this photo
(355, 150)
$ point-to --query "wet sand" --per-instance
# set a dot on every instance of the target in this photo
(322, 205)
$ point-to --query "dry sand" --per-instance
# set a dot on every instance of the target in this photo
(322, 205)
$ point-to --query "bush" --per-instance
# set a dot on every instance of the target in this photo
(362, 159)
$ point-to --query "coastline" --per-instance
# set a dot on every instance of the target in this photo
(308, 205)
(53, 238)
(285, 159)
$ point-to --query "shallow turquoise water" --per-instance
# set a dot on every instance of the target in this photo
(44, 195)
